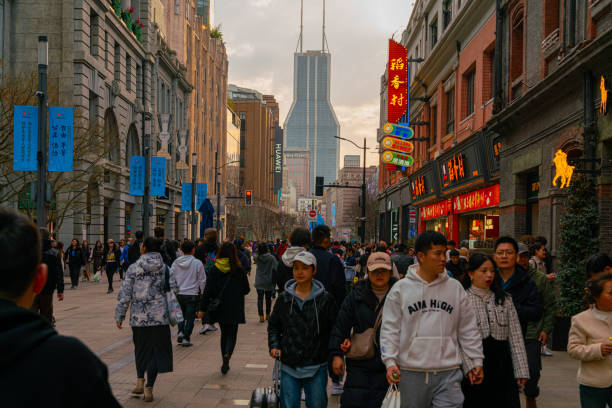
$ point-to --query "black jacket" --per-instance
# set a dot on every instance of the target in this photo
(302, 335)
(202, 251)
(231, 310)
(458, 270)
(245, 259)
(366, 383)
(74, 261)
(282, 274)
(330, 272)
(525, 297)
(55, 274)
(402, 262)
(117, 255)
(134, 252)
(39, 368)
(85, 255)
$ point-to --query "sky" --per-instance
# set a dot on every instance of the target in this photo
(261, 37)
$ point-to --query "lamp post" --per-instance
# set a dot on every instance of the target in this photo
(41, 196)
(146, 207)
(194, 167)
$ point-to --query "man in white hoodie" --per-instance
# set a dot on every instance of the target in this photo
(191, 280)
(429, 332)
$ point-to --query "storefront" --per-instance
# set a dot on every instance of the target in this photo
(478, 217)
(434, 217)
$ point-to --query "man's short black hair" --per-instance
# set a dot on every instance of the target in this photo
(401, 248)
(453, 243)
(597, 263)
(20, 251)
(300, 237)
(187, 246)
(139, 235)
(152, 244)
(453, 252)
(428, 239)
(319, 233)
(506, 240)
(159, 232)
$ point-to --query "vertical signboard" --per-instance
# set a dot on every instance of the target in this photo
(397, 82)
(158, 176)
(333, 219)
(137, 179)
(278, 158)
(25, 141)
(61, 136)
(201, 191)
(186, 197)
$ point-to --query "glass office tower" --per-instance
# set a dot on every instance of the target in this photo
(311, 123)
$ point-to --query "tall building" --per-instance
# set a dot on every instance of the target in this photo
(311, 123)
(205, 9)
(298, 164)
(352, 160)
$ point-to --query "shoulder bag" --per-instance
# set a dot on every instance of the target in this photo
(215, 304)
(362, 344)
(175, 314)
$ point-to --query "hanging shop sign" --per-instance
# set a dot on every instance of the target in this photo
(397, 159)
(563, 170)
(436, 210)
(476, 200)
(463, 166)
(397, 83)
(603, 108)
(397, 145)
(401, 131)
(423, 184)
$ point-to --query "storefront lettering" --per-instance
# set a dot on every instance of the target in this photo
(436, 210)
(475, 200)
(453, 170)
(418, 186)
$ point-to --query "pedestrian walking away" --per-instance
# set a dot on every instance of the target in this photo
(505, 360)
(227, 285)
(299, 241)
(38, 367)
(264, 279)
(206, 252)
(143, 291)
(111, 262)
(429, 330)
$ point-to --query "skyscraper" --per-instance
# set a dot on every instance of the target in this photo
(311, 123)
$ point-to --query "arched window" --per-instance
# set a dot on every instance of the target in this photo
(111, 137)
(132, 146)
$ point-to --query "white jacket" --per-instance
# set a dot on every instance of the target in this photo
(429, 326)
(189, 274)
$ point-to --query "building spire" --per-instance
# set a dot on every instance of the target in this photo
(323, 39)
(301, 39)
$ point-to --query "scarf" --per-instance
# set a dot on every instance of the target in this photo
(223, 264)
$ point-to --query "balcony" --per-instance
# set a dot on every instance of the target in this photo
(134, 26)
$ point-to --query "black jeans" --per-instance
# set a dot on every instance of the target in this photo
(111, 268)
(74, 274)
(189, 304)
(533, 349)
(260, 297)
(229, 336)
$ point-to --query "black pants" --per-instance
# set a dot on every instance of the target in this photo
(74, 274)
(229, 336)
(151, 372)
(534, 360)
(111, 268)
(43, 304)
(260, 297)
(189, 304)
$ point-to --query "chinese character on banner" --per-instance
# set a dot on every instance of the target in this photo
(397, 84)
(25, 138)
(201, 192)
(186, 197)
(61, 123)
(137, 180)
(158, 176)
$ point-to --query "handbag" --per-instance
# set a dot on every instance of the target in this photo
(362, 344)
(215, 304)
(175, 314)
(268, 397)
(393, 398)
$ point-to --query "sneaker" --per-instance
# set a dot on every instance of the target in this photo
(186, 343)
(205, 328)
(179, 339)
(546, 352)
(336, 389)
(212, 327)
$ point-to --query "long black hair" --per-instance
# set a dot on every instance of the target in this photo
(476, 261)
(228, 250)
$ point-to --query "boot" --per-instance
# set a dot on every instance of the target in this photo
(268, 316)
(148, 394)
(139, 389)
(225, 367)
(530, 403)
(261, 319)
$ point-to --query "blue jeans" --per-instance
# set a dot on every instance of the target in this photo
(189, 304)
(591, 397)
(315, 389)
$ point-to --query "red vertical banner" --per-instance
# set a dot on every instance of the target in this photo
(397, 82)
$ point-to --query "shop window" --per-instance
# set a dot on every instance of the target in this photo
(480, 229)
(450, 111)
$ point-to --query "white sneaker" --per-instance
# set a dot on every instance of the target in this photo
(204, 329)
(546, 352)
(212, 327)
(336, 389)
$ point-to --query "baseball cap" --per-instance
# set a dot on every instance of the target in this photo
(522, 248)
(379, 260)
(306, 258)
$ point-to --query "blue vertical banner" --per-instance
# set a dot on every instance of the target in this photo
(201, 191)
(158, 176)
(25, 138)
(61, 138)
(137, 175)
(186, 197)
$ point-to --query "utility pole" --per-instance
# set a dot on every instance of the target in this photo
(146, 222)
(218, 188)
(41, 194)
(363, 196)
(194, 186)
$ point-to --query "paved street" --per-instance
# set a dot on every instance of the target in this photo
(87, 313)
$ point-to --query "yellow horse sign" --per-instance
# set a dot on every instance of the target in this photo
(563, 170)
(603, 109)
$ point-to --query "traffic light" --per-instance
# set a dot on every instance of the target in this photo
(319, 181)
(248, 197)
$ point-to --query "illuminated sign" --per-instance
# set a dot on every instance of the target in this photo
(397, 159)
(563, 170)
(475, 200)
(453, 170)
(397, 145)
(603, 109)
(401, 131)
(463, 166)
(397, 84)
(436, 210)
(418, 186)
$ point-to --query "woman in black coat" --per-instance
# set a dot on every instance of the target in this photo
(223, 299)
(366, 383)
(74, 259)
(111, 262)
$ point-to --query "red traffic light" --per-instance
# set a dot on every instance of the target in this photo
(248, 197)
(248, 193)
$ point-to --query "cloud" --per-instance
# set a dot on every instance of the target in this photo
(260, 3)
(240, 50)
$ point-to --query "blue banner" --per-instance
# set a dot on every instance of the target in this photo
(186, 197)
(25, 140)
(201, 191)
(137, 175)
(61, 138)
(158, 176)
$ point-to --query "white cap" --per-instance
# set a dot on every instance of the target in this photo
(306, 258)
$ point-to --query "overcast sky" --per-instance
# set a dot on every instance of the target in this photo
(261, 37)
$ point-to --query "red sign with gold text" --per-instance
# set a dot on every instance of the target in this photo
(397, 83)
(475, 200)
(397, 145)
(435, 210)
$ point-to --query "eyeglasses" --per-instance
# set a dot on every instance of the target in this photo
(504, 253)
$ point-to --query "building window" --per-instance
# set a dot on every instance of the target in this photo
(551, 16)
(488, 76)
(469, 92)
(516, 46)
(450, 111)
(434, 32)
(93, 32)
(128, 72)
(447, 13)
(138, 81)
(434, 125)
(93, 110)
(106, 49)
(117, 62)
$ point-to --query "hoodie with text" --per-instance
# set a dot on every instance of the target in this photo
(429, 326)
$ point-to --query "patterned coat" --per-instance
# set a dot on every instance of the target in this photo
(143, 291)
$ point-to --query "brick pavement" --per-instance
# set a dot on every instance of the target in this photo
(88, 313)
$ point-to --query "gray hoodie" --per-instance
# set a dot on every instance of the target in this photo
(266, 265)
(189, 274)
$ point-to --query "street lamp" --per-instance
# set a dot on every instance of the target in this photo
(194, 167)
(43, 61)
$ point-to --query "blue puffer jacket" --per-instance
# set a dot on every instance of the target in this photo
(143, 291)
